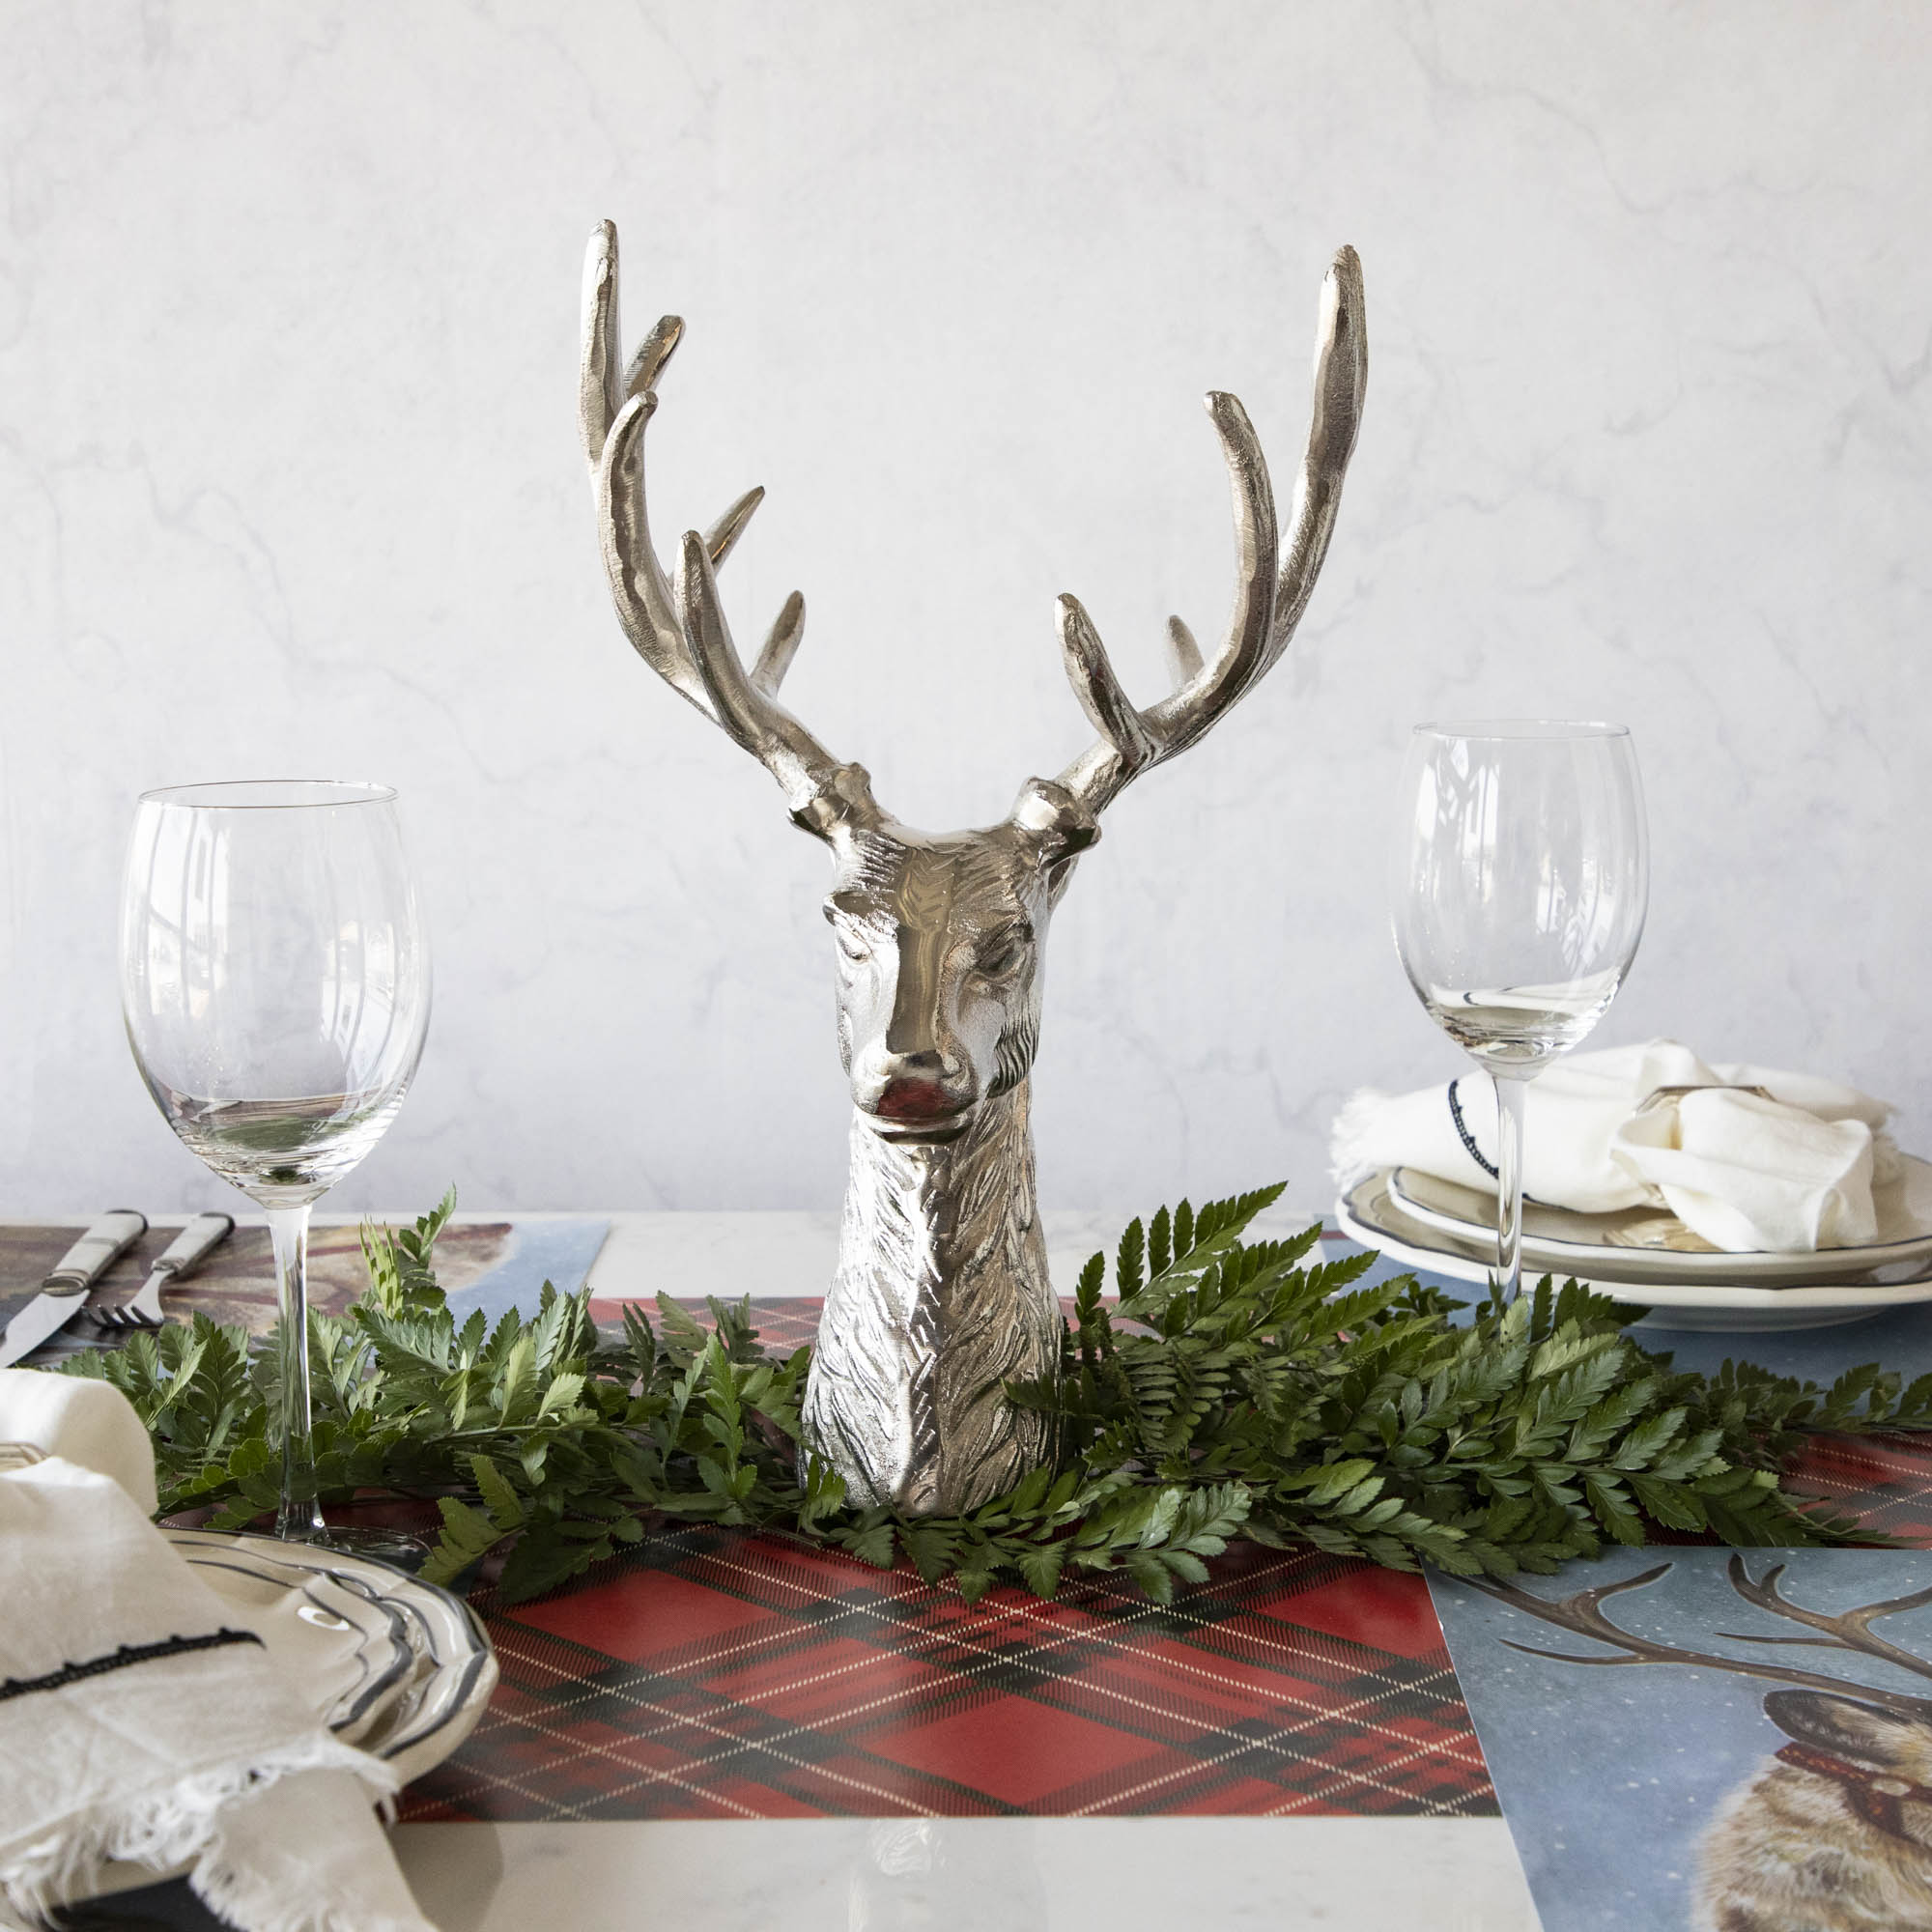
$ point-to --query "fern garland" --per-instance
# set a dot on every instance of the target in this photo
(1230, 1390)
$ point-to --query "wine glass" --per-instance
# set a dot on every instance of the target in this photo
(275, 984)
(1521, 876)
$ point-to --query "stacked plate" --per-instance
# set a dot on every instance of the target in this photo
(1651, 1259)
(396, 1666)
(392, 1664)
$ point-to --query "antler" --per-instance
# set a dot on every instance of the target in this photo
(1268, 605)
(1583, 1615)
(1850, 1630)
(678, 627)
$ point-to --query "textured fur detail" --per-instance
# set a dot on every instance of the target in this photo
(942, 1297)
(1793, 1851)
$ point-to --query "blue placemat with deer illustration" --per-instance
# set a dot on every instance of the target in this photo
(1709, 1737)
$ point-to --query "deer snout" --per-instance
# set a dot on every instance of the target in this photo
(914, 1095)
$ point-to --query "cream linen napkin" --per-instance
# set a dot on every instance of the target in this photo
(1792, 1174)
(1751, 1175)
(140, 1720)
(87, 1422)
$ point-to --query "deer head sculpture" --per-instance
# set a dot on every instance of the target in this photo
(942, 1296)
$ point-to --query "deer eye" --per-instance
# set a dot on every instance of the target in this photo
(1001, 954)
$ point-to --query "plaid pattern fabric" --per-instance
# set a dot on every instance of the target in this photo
(714, 1674)
(709, 1673)
(1885, 1481)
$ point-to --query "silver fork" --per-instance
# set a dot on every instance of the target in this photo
(175, 1262)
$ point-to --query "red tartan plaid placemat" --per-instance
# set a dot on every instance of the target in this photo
(708, 1673)
(712, 1674)
(1885, 1481)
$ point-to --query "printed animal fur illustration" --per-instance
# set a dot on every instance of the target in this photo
(1834, 1834)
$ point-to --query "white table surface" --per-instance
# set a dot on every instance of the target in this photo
(942, 1874)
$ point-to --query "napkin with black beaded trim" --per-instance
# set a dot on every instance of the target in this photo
(142, 1721)
(1751, 1158)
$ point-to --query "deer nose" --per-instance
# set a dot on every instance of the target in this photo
(915, 1089)
(913, 1101)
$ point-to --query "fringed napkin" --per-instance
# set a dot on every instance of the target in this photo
(140, 1719)
(1789, 1168)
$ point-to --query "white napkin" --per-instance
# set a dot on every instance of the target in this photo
(1751, 1175)
(85, 1421)
(1794, 1172)
(140, 1720)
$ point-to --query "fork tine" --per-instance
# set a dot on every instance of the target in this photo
(124, 1315)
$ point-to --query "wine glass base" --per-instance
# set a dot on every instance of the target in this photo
(396, 1548)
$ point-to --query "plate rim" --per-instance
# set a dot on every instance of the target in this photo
(376, 1678)
(1714, 1295)
(415, 1752)
(1717, 1264)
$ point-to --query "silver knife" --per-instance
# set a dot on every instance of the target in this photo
(64, 1293)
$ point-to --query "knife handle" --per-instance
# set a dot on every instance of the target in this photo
(96, 1251)
(193, 1246)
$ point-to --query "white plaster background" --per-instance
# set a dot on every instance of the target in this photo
(289, 484)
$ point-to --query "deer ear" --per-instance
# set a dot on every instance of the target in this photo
(1056, 821)
(1844, 1726)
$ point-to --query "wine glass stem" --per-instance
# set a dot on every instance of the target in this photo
(300, 1516)
(1511, 1091)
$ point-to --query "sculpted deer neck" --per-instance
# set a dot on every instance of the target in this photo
(941, 1298)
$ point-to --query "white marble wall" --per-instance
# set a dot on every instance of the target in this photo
(289, 483)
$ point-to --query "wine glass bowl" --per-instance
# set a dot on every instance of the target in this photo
(275, 985)
(1522, 878)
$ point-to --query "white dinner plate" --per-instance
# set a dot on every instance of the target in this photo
(1648, 1245)
(397, 1668)
(1368, 1213)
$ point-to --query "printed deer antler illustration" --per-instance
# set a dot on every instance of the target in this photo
(942, 1296)
(1836, 1833)
(1583, 1613)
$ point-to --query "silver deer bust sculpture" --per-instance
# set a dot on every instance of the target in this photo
(942, 1296)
